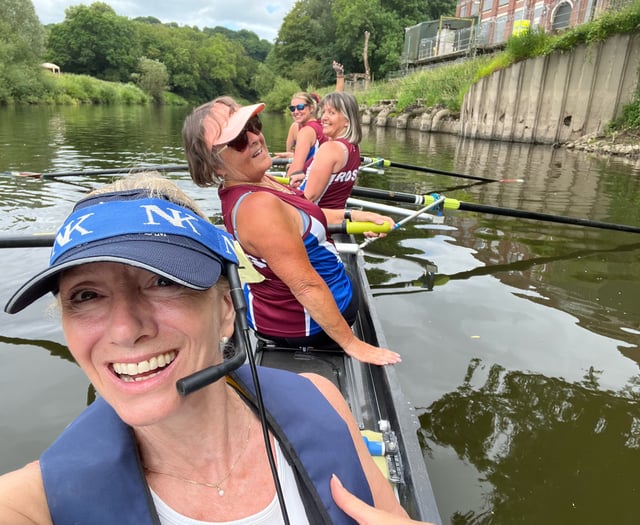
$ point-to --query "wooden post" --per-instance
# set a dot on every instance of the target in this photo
(365, 56)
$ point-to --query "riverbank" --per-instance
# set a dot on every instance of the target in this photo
(625, 144)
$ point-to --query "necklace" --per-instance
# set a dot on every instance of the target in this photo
(217, 484)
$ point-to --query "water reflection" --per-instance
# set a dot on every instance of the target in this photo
(533, 439)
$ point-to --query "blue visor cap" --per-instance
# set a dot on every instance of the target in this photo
(150, 233)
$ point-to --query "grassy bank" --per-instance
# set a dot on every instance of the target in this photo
(69, 89)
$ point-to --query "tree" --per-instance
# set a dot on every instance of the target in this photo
(152, 78)
(95, 41)
(307, 33)
(255, 47)
(21, 49)
(319, 31)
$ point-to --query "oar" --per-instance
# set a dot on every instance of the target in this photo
(114, 171)
(383, 163)
(108, 171)
(39, 240)
(33, 240)
(454, 204)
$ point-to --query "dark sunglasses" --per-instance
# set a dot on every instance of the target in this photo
(240, 143)
(299, 107)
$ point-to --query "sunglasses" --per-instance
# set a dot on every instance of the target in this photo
(240, 143)
(299, 107)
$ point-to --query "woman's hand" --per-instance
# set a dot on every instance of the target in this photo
(376, 218)
(296, 178)
(361, 512)
(371, 354)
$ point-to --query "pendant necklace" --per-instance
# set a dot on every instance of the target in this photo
(217, 484)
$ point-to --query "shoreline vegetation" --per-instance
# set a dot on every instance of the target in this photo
(438, 88)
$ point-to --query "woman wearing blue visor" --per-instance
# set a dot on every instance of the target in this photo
(145, 286)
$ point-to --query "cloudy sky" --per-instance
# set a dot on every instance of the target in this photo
(263, 17)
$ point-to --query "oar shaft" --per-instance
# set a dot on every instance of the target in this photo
(510, 212)
(115, 171)
(425, 169)
(398, 196)
(454, 204)
(27, 241)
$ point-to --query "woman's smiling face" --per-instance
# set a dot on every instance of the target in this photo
(303, 115)
(135, 333)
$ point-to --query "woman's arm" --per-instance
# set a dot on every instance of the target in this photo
(383, 496)
(22, 497)
(271, 229)
(339, 69)
(306, 139)
(330, 158)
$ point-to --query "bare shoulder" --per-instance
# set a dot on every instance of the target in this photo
(331, 392)
(22, 497)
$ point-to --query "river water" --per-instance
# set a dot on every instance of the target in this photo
(520, 355)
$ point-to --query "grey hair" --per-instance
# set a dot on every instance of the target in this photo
(156, 186)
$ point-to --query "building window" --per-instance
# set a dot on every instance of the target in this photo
(562, 16)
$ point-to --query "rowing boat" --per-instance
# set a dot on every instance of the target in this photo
(374, 395)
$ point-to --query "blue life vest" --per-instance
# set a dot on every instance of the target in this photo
(93, 475)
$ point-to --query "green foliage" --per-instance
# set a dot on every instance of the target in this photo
(630, 118)
(320, 31)
(152, 78)
(442, 86)
(255, 47)
(280, 96)
(382, 91)
(528, 44)
(263, 81)
(21, 46)
(70, 89)
(95, 41)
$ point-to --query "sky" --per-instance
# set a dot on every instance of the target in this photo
(263, 17)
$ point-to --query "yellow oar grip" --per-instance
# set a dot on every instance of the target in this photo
(362, 227)
(449, 204)
(378, 162)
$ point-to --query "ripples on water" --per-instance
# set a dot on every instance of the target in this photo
(520, 353)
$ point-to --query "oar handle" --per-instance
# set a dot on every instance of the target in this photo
(354, 227)
(378, 162)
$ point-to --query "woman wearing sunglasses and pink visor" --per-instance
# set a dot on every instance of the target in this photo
(306, 297)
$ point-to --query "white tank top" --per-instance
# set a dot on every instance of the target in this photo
(270, 515)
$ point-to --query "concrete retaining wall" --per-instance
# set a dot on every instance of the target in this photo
(556, 98)
(553, 99)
